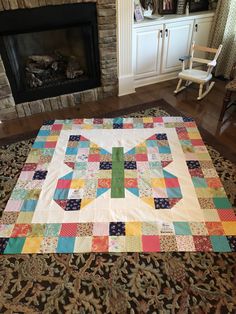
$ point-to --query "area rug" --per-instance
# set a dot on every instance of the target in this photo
(92, 283)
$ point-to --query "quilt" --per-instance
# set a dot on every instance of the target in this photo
(118, 185)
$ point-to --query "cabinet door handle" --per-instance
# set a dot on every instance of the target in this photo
(161, 33)
(196, 27)
(166, 31)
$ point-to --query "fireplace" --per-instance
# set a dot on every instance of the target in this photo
(50, 51)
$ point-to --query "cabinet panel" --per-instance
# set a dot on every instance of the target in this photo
(147, 51)
(201, 32)
(177, 41)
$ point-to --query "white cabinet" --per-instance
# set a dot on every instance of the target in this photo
(176, 43)
(201, 32)
(147, 51)
(158, 45)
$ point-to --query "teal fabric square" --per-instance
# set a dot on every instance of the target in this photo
(52, 230)
(61, 194)
(47, 151)
(44, 132)
(164, 150)
(174, 192)
(131, 152)
(199, 182)
(81, 166)
(71, 150)
(38, 145)
(221, 202)
(65, 244)
(220, 244)
(151, 143)
(155, 164)
(14, 246)
(182, 228)
(104, 152)
(167, 174)
(118, 120)
(29, 205)
(83, 144)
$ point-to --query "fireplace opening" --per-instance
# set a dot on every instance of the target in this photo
(50, 51)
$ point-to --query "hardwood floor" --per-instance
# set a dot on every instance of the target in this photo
(205, 112)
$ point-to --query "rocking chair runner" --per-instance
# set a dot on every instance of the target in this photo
(198, 76)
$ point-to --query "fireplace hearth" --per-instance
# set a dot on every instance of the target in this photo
(50, 51)
(56, 54)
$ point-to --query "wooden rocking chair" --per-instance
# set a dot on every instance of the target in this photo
(198, 76)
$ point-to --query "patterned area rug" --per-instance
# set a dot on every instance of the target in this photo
(92, 283)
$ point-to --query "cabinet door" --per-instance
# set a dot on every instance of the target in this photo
(201, 32)
(147, 47)
(177, 40)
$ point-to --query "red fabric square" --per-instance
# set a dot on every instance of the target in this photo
(151, 243)
(63, 184)
(153, 137)
(190, 124)
(29, 167)
(57, 127)
(202, 243)
(97, 121)
(93, 157)
(148, 125)
(69, 230)
(131, 183)
(215, 228)
(227, 215)
(157, 119)
(83, 138)
(127, 126)
(100, 244)
(104, 183)
(183, 136)
(141, 157)
(172, 182)
(214, 182)
(197, 142)
(20, 230)
(50, 144)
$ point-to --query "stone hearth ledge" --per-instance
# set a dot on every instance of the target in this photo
(106, 10)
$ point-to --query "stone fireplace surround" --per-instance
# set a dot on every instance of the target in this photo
(106, 10)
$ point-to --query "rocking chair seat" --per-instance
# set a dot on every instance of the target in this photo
(197, 76)
(231, 86)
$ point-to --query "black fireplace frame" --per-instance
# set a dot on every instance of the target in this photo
(20, 21)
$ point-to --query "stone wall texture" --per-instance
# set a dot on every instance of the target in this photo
(106, 10)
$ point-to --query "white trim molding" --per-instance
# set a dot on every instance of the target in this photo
(125, 68)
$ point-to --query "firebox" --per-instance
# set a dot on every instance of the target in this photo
(50, 51)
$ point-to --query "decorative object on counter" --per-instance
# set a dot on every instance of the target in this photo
(187, 8)
(138, 11)
(167, 6)
(150, 7)
(180, 8)
(198, 5)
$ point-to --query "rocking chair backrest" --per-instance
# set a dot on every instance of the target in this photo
(211, 63)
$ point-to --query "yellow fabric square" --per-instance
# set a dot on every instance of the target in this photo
(25, 217)
(194, 135)
(133, 228)
(158, 183)
(87, 126)
(148, 200)
(229, 227)
(52, 138)
(85, 202)
(77, 184)
(204, 192)
(147, 120)
(133, 244)
(32, 245)
(203, 156)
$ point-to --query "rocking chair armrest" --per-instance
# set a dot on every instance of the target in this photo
(182, 59)
(212, 63)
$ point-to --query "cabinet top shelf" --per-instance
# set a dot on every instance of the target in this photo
(172, 18)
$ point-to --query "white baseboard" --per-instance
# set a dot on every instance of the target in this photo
(126, 85)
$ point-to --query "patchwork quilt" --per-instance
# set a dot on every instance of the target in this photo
(118, 185)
